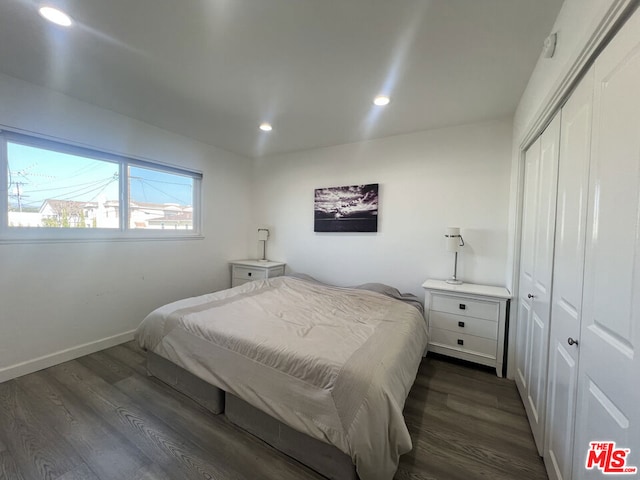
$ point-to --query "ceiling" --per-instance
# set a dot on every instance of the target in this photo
(214, 70)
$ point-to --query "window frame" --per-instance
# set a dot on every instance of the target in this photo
(124, 232)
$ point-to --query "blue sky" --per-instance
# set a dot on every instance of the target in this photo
(36, 175)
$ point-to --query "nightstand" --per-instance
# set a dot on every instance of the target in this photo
(468, 322)
(243, 271)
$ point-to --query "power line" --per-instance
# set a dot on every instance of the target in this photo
(93, 182)
(84, 191)
(18, 195)
(180, 200)
(143, 179)
(97, 194)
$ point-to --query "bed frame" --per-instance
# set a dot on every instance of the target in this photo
(315, 454)
(207, 395)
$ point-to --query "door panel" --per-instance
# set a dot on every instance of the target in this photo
(538, 293)
(602, 420)
(537, 367)
(527, 260)
(609, 373)
(529, 214)
(559, 427)
(546, 215)
(573, 178)
(524, 314)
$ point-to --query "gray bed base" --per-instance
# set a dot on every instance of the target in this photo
(319, 456)
(207, 395)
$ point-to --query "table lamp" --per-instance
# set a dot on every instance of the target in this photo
(453, 242)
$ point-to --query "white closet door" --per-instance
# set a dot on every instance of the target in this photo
(527, 252)
(535, 279)
(543, 269)
(609, 373)
(573, 182)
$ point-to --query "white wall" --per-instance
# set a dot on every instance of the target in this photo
(576, 22)
(428, 180)
(55, 297)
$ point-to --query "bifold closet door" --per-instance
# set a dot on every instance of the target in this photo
(566, 303)
(536, 267)
(608, 407)
(527, 258)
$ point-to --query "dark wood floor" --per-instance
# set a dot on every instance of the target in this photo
(101, 417)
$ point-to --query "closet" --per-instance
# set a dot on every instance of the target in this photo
(578, 327)
(568, 262)
(536, 266)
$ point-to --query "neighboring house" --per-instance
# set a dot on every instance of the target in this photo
(105, 214)
(64, 213)
(178, 221)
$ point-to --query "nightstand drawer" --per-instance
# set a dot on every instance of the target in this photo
(466, 307)
(463, 342)
(248, 273)
(276, 272)
(470, 326)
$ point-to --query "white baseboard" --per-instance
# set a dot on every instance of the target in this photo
(46, 361)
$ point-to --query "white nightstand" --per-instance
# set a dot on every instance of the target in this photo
(467, 321)
(243, 271)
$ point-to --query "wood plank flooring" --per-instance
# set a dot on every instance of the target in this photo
(101, 417)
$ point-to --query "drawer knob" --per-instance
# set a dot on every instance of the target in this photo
(249, 274)
(460, 342)
(462, 306)
(461, 324)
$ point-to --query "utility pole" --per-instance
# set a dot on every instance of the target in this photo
(18, 195)
(25, 173)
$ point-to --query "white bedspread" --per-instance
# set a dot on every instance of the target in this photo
(334, 363)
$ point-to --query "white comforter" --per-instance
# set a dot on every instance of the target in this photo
(334, 363)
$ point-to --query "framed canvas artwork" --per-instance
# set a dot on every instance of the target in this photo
(353, 208)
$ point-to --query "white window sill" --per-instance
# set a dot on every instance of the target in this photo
(86, 237)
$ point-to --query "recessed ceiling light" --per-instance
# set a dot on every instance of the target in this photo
(56, 16)
(381, 100)
(266, 127)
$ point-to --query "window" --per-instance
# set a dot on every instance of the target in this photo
(160, 200)
(54, 187)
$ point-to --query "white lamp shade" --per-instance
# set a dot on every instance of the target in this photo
(452, 239)
(263, 234)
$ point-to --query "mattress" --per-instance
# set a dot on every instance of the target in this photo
(333, 363)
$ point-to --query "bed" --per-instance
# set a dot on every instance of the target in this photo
(333, 364)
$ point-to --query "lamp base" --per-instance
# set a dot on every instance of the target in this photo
(453, 280)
